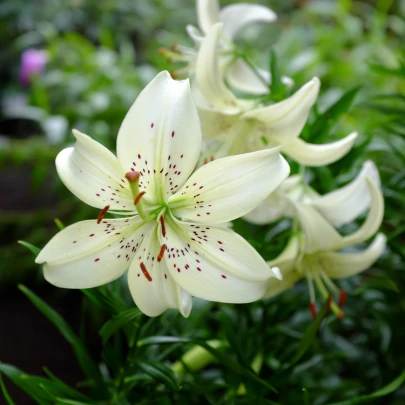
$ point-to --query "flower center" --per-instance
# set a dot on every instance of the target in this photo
(319, 280)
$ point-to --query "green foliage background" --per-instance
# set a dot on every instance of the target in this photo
(101, 54)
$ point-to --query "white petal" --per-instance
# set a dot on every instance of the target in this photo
(93, 174)
(231, 271)
(374, 217)
(275, 206)
(88, 254)
(228, 188)
(285, 261)
(241, 77)
(155, 291)
(237, 16)
(209, 77)
(161, 136)
(341, 265)
(195, 34)
(309, 154)
(207, 13)
(285, 120)
(319, 233)
(345, 204)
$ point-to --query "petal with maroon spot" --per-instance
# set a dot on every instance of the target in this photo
(215, 265)
(161, 136)
(230, 187)
(87, 254)
(93, 174)
(151, 284)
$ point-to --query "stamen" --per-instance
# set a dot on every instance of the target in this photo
(132, 176)
(330, 301)
(139, 196)
(311, 288)
(162, 223)
(145, 272)
(342, 298)
(330, 283)
(102, 213)
(161, 253)
(312, 308)
(336, 310)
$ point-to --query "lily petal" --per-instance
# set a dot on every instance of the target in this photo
(374, 217)
(230, 187)
(93, 174)
(285, 120)
(161, 136)
(209, 76)
(151, 284)
(241, 77)
(319, 233)
(195, 34)
(309, 154)
(207, 14)
(342, 206)
(341, 265)
(87, 254)
(237, 16)
(275, 286)
(229, 272)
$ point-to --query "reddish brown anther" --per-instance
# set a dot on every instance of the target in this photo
(312, 308)
(342, 298)
(145, 272)
(162, 223)
(175, 75)
(102, 213)
(340, 315)
(138, 197)
(161, 253)
(132, 176)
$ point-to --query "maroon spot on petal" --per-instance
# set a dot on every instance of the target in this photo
(92, 235)
(223, 276)
(74, 241)
(172, 134)
(98, 195)
(152, 125)
(198, 269)
(222, 250)
(96, 260)
(165, 276)
(181, 157)
(139, 156)
(220, 242)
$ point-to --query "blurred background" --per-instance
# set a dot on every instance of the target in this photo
(81, 64)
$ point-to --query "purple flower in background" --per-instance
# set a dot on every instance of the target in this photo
(33, 62)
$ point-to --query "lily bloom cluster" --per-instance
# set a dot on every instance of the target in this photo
(172, 232)
(232, 125)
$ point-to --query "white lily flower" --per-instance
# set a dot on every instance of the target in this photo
(339, 207)
(240, 126)
(234, 18)
(174, 242)
(315, 254)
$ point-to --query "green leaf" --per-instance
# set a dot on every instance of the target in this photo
(30, 247)
(324, 122)
(117, 322)
(59, 224)
(160, 373)
(276, 84)
(105, 298)
(86, 362)
(388, 389)
(223, 358)
(5, 393)
(309, 335)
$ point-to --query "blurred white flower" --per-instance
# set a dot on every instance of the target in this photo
(174, 243)
(240, 125)
(314, 252)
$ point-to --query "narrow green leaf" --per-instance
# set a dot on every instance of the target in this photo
(86, 362)
(388, 389)
(309, 335)
(276, 84)
(30, 247)
(5, 393)
(160, 373)
(106, 299)
(59, 224)
(117, 322)
(324, 122)
(305, 396)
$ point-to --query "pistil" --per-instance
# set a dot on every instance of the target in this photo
(133, 180)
